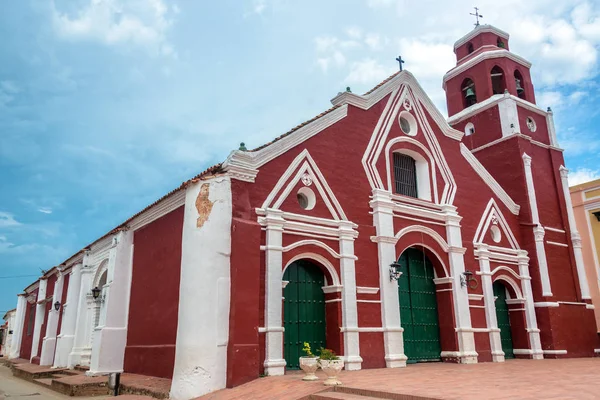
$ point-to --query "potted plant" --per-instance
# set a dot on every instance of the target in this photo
(309, 363)
(330, 364)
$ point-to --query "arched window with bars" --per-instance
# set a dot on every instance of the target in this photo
(519, 84)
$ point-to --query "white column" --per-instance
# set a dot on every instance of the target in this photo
(460, 295)
(575, 237)
(274, 362)
(353, 361)
(64, 341)
(40, 313)
(49, 343)
(110, 336)
(538, 230)
(383, 220)
(79, 353)
(19, 326)
(490, 303)
(204, 291)
(530, 317)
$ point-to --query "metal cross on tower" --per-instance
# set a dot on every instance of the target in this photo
(476, 15)
(400, 61)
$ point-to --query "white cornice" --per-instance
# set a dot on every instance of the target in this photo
(478, 30)
(490, 102)
(481, 57)
(489, 179)
(167, 205)
(518, 135)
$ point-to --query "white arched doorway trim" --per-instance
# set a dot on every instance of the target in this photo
(321, 260)
(312, 242)
(102, 268)
(425, 230)
(416, 244)
(425, 168)
(509, 280)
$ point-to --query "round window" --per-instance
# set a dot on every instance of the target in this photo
(306, 198)
(408, 123)
(531, 124)
(496, 234)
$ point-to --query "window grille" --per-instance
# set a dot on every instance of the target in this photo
(405, 175)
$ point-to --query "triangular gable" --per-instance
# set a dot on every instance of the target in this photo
(408, 96)
(492, 216)
(304, 168)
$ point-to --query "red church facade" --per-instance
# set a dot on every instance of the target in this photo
(379, 229)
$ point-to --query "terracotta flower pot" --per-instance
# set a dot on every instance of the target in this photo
(309, 365)
(331, 368)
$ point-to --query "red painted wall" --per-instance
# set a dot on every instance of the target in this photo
(27, 339)
(153, 307)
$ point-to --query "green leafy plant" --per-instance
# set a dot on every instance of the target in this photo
(306, 349)
(327, 354)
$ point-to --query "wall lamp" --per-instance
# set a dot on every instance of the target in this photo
(395, 271)
(57, 306)
(467, 279)
(96, 293)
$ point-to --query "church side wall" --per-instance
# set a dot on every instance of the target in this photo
(152, 326)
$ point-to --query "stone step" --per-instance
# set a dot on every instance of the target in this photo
(47, 382)
(340, 396)
(81, 368)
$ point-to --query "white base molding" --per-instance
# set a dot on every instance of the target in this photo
(554, 352)
(395, 361)
(275, 367)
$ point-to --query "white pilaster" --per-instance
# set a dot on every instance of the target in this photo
(551, 128)
(19, 326)
(353, 361)
(538, 230)
(40, 313)
(49, 343)
(490, 303)
(575, 237)
(110, 336)
(204, 290)
(64, 341)
(509, 116)
(530, 317)
(393, 338)
(80, 353)
(274, 362)
(462, 313)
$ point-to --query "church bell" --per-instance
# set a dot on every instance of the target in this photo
(520, 90)
(469, 93)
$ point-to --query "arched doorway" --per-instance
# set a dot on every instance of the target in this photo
(303, 310)
(503, 318)
(418, 307)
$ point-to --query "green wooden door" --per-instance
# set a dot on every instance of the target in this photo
(503, 317)
(303, 310)
(418, 308)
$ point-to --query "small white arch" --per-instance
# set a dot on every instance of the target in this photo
(321, 260)
(103, 267)
(425, 230)
(425, 174)
(435, 253)
(509, 281)
(313, 242)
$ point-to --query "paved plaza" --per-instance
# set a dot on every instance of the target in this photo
(514, 379)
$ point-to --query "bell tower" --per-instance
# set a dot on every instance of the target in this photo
(489, 92)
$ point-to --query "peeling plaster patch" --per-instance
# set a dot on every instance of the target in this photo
(203, 205)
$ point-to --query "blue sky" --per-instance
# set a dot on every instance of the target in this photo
(107, 105)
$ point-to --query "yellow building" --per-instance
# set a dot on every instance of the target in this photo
(586, 206)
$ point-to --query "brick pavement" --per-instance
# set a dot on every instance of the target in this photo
(515, 379)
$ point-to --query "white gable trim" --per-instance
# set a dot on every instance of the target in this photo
(492, 210)
(489, 180)
(304, 163)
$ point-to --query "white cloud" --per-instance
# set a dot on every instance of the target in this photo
(7, 220)
(138, 22)
(354, 32)
(379, 3)
(259, 6)
(45, 210)
(582, 175)
(368, 71)
(547, 99)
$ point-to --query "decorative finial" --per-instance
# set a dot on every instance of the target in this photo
(400, 62)
(549, 109)
(477, 16)
(348, 89)
(243, 147)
